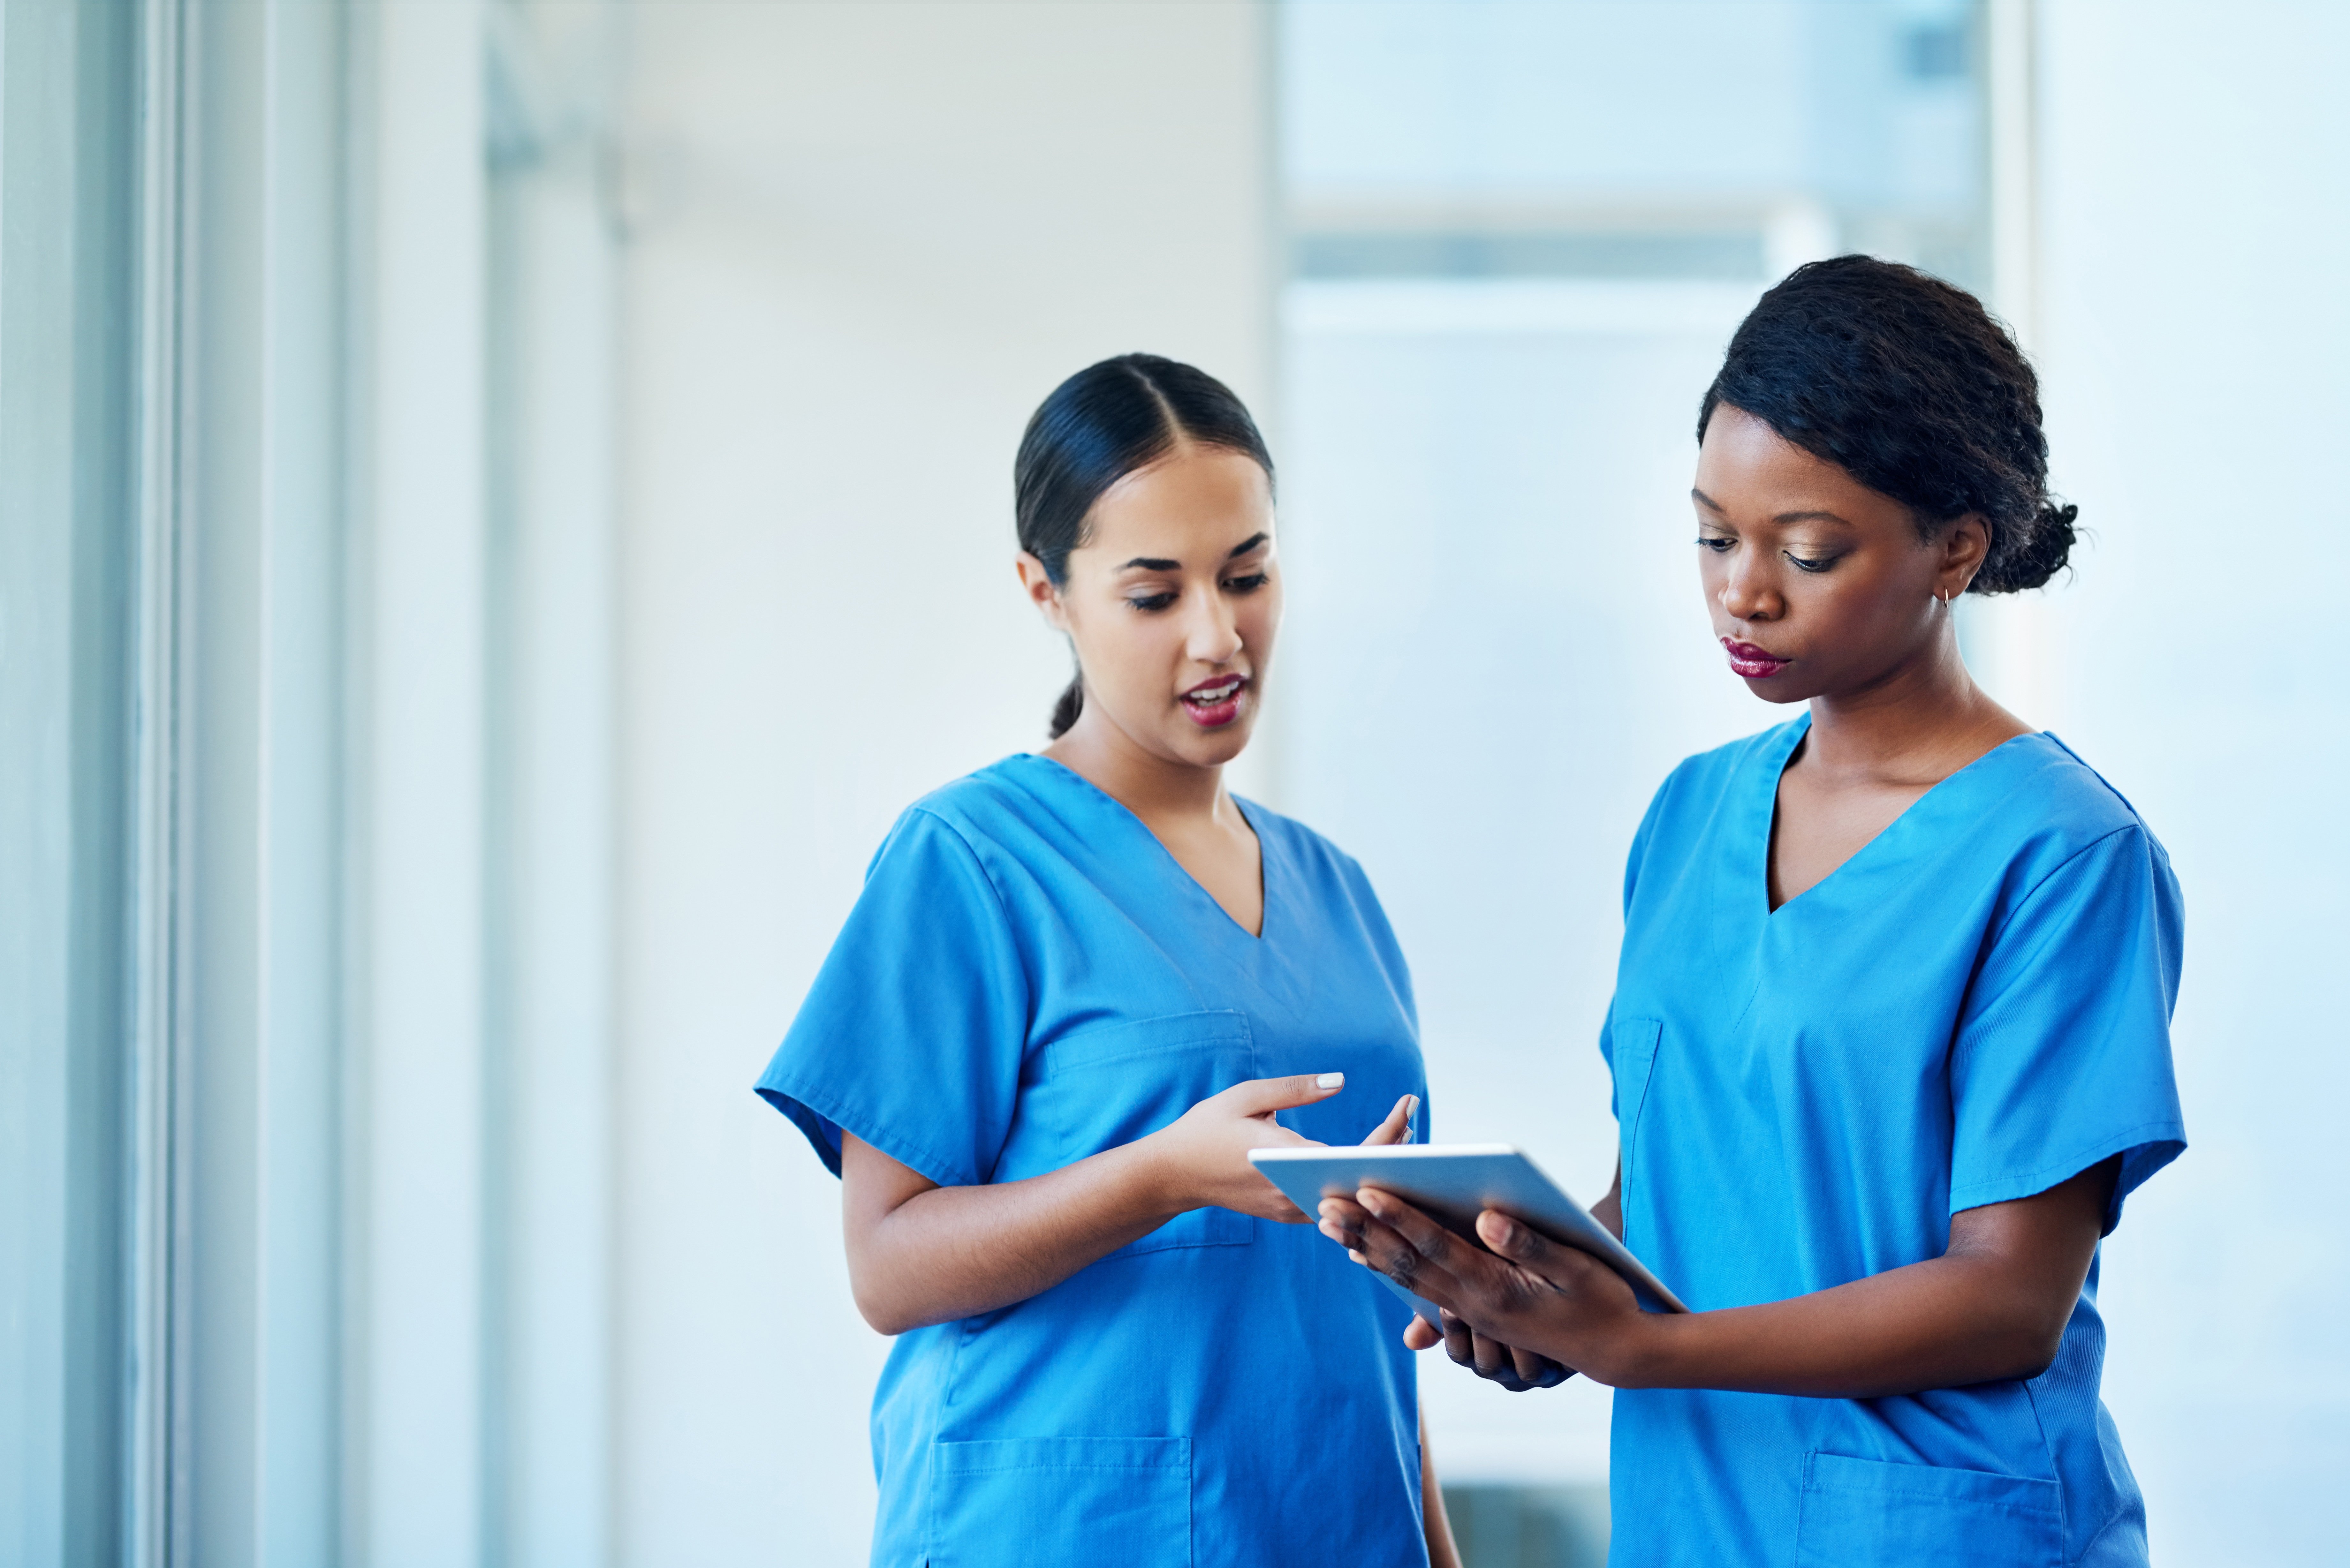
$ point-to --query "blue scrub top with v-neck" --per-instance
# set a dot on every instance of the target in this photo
(1030, 978)
(1971, 1009)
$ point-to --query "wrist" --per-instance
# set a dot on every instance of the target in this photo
(1641, 1348)
(1155, 1177)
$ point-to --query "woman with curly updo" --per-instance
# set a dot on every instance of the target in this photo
(1891, 1035)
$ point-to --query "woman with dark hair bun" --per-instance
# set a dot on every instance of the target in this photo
(1078, 987)
(1890, 1036)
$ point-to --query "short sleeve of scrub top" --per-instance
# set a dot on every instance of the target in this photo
(1973, 1007)
(1028, 979)
(2061, 1057)
(928, 975)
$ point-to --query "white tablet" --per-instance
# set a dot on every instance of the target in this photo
(1451, 1184)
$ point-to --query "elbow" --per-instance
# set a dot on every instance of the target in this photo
(888, 1312)
(882, 1321)
(2040, 1354)
(2027, 1349)
(875, 1301)
(881, 1315)
(2031, 1365)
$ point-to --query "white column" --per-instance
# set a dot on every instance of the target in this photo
(554, 324)
(2009, 640)
(418, 1473)
(262, 536)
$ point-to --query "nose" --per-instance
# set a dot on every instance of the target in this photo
(1750, 590)
(1211, 634)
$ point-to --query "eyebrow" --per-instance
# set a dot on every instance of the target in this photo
(1710, 504)
(1162, 564)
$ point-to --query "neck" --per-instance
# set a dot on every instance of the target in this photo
(1926, 717)
(1153, 787)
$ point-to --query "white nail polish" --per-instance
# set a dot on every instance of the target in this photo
(1329, 1080)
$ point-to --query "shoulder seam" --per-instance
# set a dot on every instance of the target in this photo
(2104, 783)
(1003, 909)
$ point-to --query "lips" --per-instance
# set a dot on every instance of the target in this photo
(1215, 702)
(1754, 663)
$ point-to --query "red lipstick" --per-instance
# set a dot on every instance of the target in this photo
(1214, 702)
(1754, 663)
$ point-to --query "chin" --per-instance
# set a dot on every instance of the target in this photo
(1214, 748)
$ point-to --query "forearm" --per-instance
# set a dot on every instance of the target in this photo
(1993, 1306)
(920, 1254)
(1941, 1323)
(953, 1252)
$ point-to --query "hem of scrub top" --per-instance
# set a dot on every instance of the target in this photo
(786, 1097)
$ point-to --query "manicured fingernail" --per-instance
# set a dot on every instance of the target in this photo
(1329, 1080)
(1359, 1257)
(1411, 1106)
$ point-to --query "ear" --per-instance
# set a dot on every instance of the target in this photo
(1964, 545)
(1037, 584)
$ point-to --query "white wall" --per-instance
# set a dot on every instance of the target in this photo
(2194, 327)
(867, 238)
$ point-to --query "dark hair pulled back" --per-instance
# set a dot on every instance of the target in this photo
(1910, 386)
(1099, 426)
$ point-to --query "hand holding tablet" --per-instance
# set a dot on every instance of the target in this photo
(1418, 1226)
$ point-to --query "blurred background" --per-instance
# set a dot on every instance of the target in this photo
(502, 502)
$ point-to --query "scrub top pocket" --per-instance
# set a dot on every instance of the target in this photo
(1634, 1058)
(1865, 1513)
(1110, 1084)
(1061, 1503)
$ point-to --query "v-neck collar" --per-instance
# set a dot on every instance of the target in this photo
(1264, 853)
(1758, 874)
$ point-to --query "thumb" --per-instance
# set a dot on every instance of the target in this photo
(1262, 1097)
(1397, 1129)
(1513, 1240)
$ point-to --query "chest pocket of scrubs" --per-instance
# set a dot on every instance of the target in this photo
(1635, 1058)
(1864, 1513)
(1109, 1086)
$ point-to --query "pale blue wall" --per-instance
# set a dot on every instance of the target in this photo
(2195, 329)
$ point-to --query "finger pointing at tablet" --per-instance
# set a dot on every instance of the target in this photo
(1397, 1129)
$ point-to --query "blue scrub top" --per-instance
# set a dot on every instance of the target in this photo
(1030, 978)
(1971, 1009)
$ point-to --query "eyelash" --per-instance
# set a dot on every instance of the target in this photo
(1809, 567)
(1151, 603)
